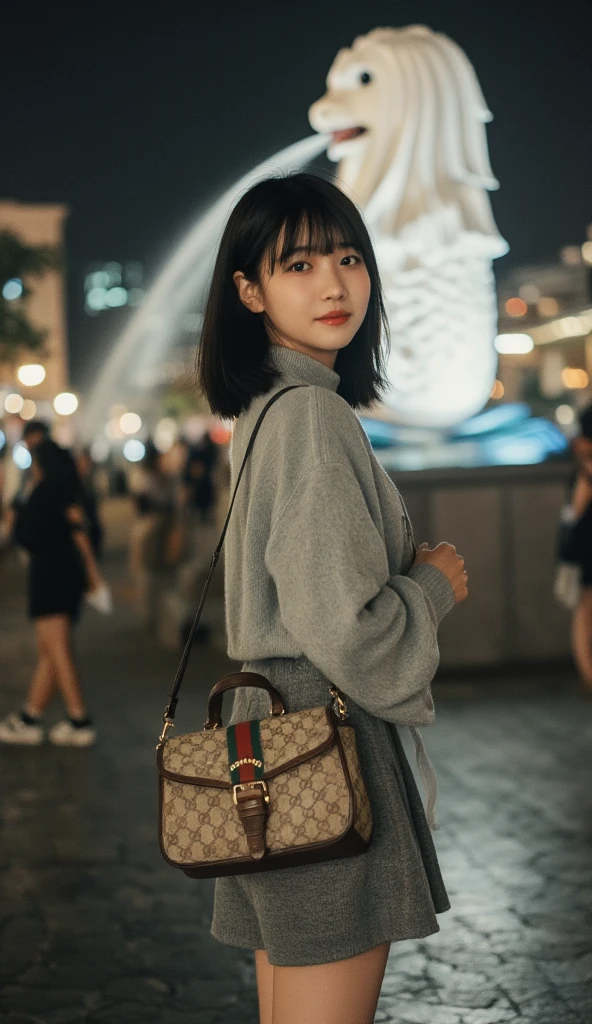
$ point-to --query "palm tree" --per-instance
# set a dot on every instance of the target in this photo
(19, 261)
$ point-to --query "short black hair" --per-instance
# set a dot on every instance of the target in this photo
(36, 427)
(231, 358)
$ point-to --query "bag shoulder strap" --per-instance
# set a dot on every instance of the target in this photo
(171, 707)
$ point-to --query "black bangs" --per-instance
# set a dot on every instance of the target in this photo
(317, 227)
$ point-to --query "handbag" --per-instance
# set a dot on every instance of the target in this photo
(277, 792)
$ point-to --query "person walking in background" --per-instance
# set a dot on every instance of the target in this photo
(47, 525)
(89, 500)
(154, 490)
(198, 505)
(576, 546)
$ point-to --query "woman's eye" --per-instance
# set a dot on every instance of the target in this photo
(365, 77)
(299, 265)
(353, 256)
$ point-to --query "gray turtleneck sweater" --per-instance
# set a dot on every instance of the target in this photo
(318, 554)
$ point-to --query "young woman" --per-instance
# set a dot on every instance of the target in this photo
(50, 525)
(323, 584)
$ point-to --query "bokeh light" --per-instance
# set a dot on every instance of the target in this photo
(21, 456)
(65, 403)
(565, 415)
(130, 423)
(134, 450)
(31, 374)
(13, 289)
(547, 306)
(29, 409)
(13, 403)
(165, 434)
(513, 344)
(571, 377)
(516, 307)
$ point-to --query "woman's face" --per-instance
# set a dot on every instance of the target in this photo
(302, 291)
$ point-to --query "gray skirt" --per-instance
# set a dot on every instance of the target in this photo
(317, 913)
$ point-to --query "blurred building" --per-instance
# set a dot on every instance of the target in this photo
(112, 285)
(40, 224)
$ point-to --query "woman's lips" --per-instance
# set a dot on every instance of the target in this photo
(334, 321)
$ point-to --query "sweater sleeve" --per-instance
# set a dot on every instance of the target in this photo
(371, 634)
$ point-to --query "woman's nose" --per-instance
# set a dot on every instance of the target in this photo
(333, 285)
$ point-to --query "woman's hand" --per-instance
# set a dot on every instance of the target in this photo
(444, 557)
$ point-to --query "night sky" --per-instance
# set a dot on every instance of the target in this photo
(137, 115)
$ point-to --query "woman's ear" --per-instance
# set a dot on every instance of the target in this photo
(249, 292)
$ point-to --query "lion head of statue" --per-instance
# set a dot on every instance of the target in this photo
(407, 122)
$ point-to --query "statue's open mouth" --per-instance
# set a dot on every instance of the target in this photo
(347, 133)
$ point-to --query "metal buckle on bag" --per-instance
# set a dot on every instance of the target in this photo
(249, 785)
(167, 724)
(339, 705)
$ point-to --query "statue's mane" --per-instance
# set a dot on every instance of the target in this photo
(440, 160)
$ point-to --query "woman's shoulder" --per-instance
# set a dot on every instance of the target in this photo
(308, 425)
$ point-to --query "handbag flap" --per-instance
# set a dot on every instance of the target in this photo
(201, 758)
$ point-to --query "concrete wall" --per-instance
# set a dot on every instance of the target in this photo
(503, 520)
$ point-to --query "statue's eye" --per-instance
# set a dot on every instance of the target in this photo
(365, 77)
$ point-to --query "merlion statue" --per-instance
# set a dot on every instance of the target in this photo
(406, 117)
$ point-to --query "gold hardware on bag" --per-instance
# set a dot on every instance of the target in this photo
(246, 760)
(168, 724)
(249, 785)
(339, 705)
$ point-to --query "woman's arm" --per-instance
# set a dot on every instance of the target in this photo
(77, 519)
(373, 634)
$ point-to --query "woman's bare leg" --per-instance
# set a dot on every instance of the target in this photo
(43, 684)
(581, 635)
(264, 986)
(56, 634)
(343, 992)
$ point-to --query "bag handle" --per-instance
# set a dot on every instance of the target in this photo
(169, 712)
(214, 720)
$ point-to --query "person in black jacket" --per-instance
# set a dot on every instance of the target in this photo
(46, 526)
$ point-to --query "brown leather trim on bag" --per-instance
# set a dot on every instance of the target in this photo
(232, 682)
(196, 780)
(349, 843)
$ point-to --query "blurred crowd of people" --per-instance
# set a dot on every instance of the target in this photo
(179, 500)
(51, 510)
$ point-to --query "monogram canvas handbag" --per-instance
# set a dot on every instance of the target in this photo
(271, 793)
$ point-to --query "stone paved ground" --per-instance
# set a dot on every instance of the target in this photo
(95, 927)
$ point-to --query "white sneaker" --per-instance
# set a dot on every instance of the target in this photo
(64, 734)
(14, 730)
